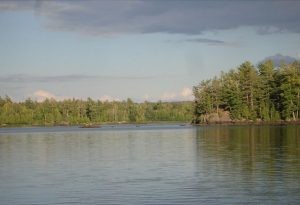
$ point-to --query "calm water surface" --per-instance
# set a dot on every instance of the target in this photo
(151, 164)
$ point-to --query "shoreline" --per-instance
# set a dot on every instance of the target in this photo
(97, 125)
(297, 122)
(181, 123)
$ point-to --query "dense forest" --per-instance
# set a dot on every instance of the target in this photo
(264, 93)
(248, 93)
(74, 111)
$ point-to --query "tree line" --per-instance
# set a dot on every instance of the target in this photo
(262, 93)
(75, 111)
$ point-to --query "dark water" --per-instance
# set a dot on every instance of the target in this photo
(150, 165)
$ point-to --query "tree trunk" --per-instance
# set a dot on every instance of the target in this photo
(294, 117)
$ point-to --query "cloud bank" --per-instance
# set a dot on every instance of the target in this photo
(186, 94)
(41, 95)
(180, 17)
(108, 98)
(207, 41)
(21, 78)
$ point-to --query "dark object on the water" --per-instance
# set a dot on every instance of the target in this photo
(90, 126)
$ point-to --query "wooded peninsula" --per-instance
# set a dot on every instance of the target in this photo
(265, 93)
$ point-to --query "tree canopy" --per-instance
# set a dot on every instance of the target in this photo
(265, 92)
(74, 111)
(256, 93)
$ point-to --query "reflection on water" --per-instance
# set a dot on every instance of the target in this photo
(260, 162)
(152, 165)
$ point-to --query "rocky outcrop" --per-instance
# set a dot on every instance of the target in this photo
(217, 118)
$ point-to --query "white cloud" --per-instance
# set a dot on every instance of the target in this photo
(169, 96)
(146, 97)
(107, 98)
(42, 95)
(299, 55)
(187, 94)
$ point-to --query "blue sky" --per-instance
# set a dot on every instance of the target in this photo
(145, 50)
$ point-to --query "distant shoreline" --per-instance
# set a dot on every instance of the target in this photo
(95, 125)
(180, 123)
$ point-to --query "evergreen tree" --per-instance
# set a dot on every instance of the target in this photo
(266, 93)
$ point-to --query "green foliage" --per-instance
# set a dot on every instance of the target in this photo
(266, 93)
(51, 112)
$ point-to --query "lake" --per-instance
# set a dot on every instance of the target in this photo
(150, 164)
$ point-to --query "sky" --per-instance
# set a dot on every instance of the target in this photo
(143, 50)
